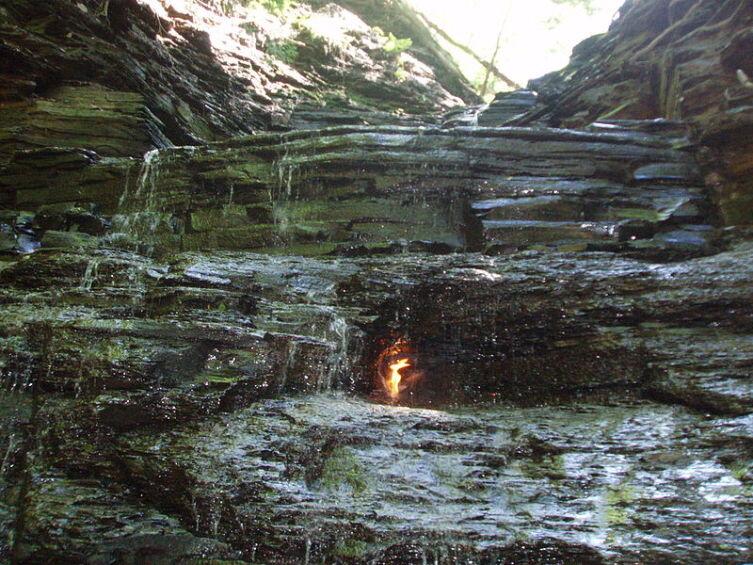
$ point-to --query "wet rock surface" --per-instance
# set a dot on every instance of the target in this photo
(350, 478)
(395, 334)
(507, 107)
(364, 189)
(230, 401)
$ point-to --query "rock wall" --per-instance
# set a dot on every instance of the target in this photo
(676, 59)
(144, 74)
(193, 339)
(365, 190)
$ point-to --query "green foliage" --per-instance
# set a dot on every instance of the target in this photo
(395, 45)
(274, 6)
(226, 6)
(401, 74)
(285, 51)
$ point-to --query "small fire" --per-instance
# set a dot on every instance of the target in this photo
(396, 370)
(393, 381)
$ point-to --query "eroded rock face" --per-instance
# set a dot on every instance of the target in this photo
(197, 344)
(124, 76)
(676, 59)
(360, 189)
(149, 378)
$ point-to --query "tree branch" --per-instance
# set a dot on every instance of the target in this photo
(468, 51)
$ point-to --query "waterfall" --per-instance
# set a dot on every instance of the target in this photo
(90, 274)
(307, 556)
(339, 364)
(282, 194)
(136, 208)
(141, 215)
(149, 175)
(284, 169)
(346, 346)
(290, 359)
(230, 197)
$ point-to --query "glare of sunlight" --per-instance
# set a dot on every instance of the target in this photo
(537, 35)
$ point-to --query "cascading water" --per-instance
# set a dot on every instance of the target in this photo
(90, 274)
(291, 355)
(375, 343)
(281, 193)
(347, 345)
(136, 215)
(148, 176)
(141, 216)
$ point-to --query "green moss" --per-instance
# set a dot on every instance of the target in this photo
(351, 549)
(285, 51)
(572, 247)
(537, 247)
(342, 468)
(359, 208)
(247, 172)
(208, 219)
(741, 471)
(219, 379)
(615, 111)
(638, 214)
(240, 238)
(62, 240)
(115, 351)
(618, 499)
(550, 467)
(196, 123)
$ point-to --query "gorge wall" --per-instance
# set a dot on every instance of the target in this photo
(686, 60)
(222, 224)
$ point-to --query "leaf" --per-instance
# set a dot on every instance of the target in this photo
(395, 45)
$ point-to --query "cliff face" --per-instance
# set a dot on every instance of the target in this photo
(196, 341)
(684, 60)
(124, 76)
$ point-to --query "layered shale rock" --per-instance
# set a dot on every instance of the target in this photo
(396, 334)
(141, 72)
(365, 189)
(674, 59)
(148, 373)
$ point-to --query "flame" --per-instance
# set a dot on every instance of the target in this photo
(396, 373)
(393, 381)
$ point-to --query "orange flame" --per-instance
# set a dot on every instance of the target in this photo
(396, 374)
(393, 381)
